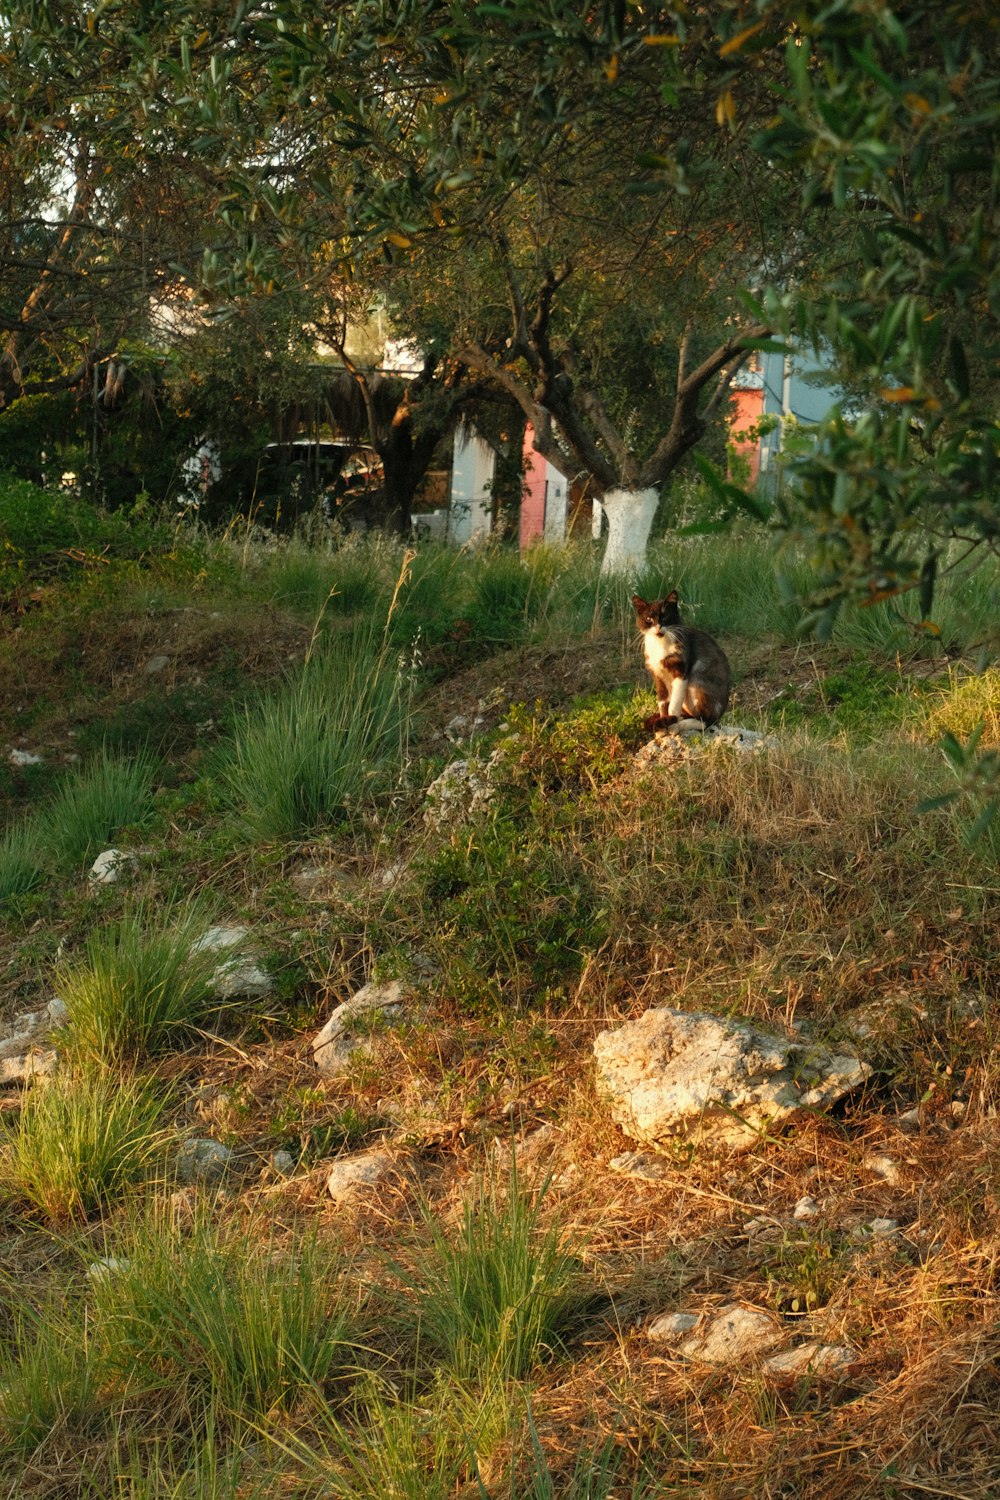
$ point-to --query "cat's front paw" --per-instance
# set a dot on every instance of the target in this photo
(660, 721)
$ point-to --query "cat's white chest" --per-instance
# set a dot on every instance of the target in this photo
(660, 647)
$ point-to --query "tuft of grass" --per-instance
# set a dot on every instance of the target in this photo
(112, 793)
(303, 756)
(200, 1471)
(50, 1381)
(247, 1328)
(408, 1448)
(496, 1298)
(80, 1142)
(22, 862)
(141, 986)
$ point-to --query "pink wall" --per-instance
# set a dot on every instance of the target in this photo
(747, 409)
(532, 493)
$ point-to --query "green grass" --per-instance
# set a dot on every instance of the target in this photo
(80, 1142)
(496, 1298)
(303, 757)
(51, 1385)
(140, 986)
(243, 1324)
(22, 862)
(111, 793)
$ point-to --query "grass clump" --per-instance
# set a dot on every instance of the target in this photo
(496, 1298)
(112, 793)
(141, 986)
(80, 1142)
(246, 1327)
(49, 1380)
(304, 755)
(21, 863)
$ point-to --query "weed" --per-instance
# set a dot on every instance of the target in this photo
(496, 1298)
(111, 793)
(141, 986)
(304, 756)
(80, 1142)
(22, 862)
(239, 1321)
(49, 1377)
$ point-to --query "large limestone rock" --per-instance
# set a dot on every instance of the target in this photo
(674, 1076)
(344, 1033)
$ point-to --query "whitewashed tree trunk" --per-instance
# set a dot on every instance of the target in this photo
(630, 515)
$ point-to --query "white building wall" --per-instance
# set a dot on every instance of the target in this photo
(473, 466)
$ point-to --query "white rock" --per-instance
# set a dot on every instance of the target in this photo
(821, 1361)
(58, 1011)
(283, 1162)
(27, 1066)
(240, 976)
(643, 1164)
(155, 665)
(670, 1328)
(734, 1335)
(355, 1176)
(107, 1266)
(24, 758)
(672, 1074)
(112, 865)
(203, 1161)
(242, 979)
(463, 789)
(220, 939)
(882, 1167)
(806, 1208)
(335, 1045)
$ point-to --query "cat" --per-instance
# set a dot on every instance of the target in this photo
(689, 669)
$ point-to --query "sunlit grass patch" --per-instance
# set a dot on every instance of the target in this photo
(140, 986)
(242, 1324)
(496, 1297)
(80, 1143)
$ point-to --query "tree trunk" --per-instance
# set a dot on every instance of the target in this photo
(630, 515)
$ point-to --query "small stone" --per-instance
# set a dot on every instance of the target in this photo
(283, 1162)
(670, 1328)
(242, 979)
(203, 1161)
(884, 1168)
(107, 1266)
(735, 1335)
(820, 1361)
(876, 1229)
(111, 866)
(220, 939)
(335, 1045)
(27, 1066)
(355, 1176)
(155, 665)
(806, 1208)
(24, 758)
(58, 1011)
(642, 1164)
(958, 1109)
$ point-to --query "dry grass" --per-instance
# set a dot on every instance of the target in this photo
(794, 886)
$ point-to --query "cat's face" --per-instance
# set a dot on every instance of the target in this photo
(653, 614)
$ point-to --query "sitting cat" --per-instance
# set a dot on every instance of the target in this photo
(689, 669)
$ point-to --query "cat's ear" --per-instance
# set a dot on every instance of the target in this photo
(640, 604)
(671, 597)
